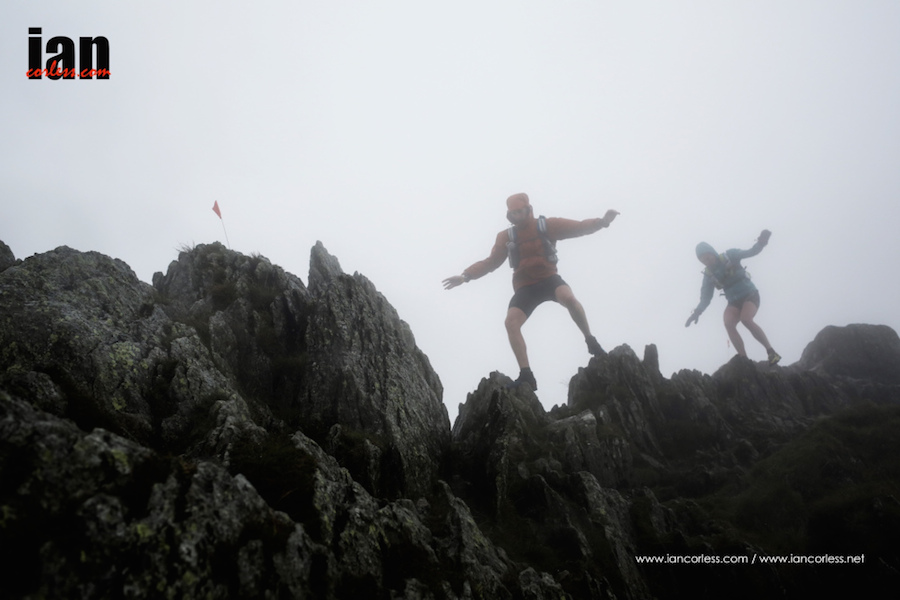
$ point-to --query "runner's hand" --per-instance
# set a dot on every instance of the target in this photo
(694, 317)
(452, 282)
(610, 216)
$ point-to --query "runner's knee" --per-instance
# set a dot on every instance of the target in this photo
(514, 320)
(566, 298)
(750, 324)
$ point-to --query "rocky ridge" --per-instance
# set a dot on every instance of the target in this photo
(231, 432)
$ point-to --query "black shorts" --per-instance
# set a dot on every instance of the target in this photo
(531, 296)
(751, 297)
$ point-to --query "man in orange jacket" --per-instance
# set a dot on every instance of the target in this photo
(531, 246)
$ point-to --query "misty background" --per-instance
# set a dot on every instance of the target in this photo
(394, 131)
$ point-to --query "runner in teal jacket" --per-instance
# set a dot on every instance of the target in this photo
(724, 271)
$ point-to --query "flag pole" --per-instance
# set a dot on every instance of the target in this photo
(219, 212)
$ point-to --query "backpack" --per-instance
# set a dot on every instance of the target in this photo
(733, 272)
(512, 246)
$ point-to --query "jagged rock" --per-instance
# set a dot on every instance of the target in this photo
(94, 515)
(221, 345)
(7, 258)
(621, 392)
(77, 332)
(366, 373)
(249, 318)
(575, 479)
(83, 338)
(334, 359)
(249, 314)
(231, 432)
(535, 478)
(866, 352)
(496, 437)
(539, 586)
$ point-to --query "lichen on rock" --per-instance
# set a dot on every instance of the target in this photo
(230, 431)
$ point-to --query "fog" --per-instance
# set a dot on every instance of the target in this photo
(394, 131)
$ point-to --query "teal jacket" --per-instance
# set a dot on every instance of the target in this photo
(729, 275)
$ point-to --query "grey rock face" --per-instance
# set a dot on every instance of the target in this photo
(231, 432)
(83, 338)
(614, 474)
(7, 258)
(77, 332)
(866, 352)
(95, 515)
(366, 373)
(537, 476)
(222, 345)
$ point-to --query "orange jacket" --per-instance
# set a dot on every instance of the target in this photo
(533, 265)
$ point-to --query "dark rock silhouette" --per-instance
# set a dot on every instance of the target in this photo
(864, 352)
(7, 258)
(232, 432)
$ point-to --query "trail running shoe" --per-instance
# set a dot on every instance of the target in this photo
(594, 346)
(774, 357)
(526, 377)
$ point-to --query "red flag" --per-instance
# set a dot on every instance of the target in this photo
(216, 209)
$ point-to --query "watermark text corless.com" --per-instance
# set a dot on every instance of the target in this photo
(62, 64)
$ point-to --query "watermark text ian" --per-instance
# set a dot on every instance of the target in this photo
(62, 64)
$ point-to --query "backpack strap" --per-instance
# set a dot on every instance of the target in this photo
(549, 246)
(512, 248)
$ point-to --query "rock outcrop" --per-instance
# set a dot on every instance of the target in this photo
(861, 352)
(7, 258)
(231, 432)
(639, 465)
(225, 346)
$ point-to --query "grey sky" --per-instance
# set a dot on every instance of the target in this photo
(394, 131)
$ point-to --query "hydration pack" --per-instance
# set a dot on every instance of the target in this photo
(512, 246)
(731, 272)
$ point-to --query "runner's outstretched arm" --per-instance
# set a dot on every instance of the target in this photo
(761, 242)
(564, 229)
(482, 267)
